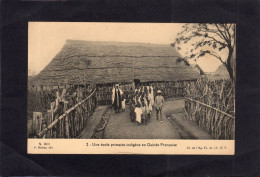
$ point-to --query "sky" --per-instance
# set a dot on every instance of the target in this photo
(45, 39)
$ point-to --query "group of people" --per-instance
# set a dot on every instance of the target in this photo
(141, 103)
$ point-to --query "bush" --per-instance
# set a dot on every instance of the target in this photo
(39, 101)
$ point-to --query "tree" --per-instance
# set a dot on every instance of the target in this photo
(208, 39)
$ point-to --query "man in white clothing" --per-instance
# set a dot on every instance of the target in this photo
(117, 98)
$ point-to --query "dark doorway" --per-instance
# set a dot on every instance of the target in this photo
(137, 82)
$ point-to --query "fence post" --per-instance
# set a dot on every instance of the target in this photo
(66, 122)
(37, 122)
(50, 119)
(67, 128)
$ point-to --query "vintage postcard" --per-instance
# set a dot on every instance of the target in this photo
(131, 88)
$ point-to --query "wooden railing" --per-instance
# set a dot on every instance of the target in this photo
(72, 121)
(216, 122)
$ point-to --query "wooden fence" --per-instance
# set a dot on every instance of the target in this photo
(170, 89)
(216, 122)
(71, 122)
(211, 106)
(104, 92)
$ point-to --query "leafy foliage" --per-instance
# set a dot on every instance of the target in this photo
(207, 39)
(39, 101)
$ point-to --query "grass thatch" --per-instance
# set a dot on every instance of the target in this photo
(107, 62)
(220, 73)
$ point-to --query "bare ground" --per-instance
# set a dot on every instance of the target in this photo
(174, 126)
(121, 127)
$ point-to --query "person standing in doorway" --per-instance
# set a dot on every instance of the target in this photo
(117, 98)
(158, 104)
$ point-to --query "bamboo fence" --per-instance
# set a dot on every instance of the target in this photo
(169, 89)
(172, 89)
(210, 104)
(104, 92)
(72, 121)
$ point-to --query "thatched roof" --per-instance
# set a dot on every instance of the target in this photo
(222, 71)
(108, 62)
(198, 69)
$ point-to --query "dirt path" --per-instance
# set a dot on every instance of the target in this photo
(174, 126)
(121, 127)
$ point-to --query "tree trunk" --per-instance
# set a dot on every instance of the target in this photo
(228, 64)
(230, 71)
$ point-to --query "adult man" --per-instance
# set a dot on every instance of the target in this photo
(117, 98)
(158, 104)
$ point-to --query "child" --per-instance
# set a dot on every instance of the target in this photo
(150, 96)
(138, 113)
(123, 104)
(132, 109)
(144, 110)
(149, 109)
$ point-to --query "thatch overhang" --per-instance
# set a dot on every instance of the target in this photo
(81, 62)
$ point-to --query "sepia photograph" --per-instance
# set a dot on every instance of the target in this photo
(166, 81)
(129, 88)
(156, 88)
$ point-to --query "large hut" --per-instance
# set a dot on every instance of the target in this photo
(106, 63)
(198, 69)
(220, 73)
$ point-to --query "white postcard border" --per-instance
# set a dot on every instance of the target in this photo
(131, 146)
